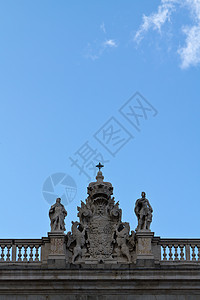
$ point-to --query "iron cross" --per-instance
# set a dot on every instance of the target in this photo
(99, 166)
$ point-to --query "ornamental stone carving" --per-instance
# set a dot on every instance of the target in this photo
(77, 236)
(57, 214)
(56, 246)
(143, 211)
(100, 236)
(122, 239)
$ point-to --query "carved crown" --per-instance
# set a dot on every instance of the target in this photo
(100, 188)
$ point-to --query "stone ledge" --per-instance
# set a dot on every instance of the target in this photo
(145, 264)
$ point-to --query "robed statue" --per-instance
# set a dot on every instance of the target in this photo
(57, 214)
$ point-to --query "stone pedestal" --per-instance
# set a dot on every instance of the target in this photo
(144, 254)
(57, 253)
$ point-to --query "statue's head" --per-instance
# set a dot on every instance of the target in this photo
(58, 200)
(75, 223)
(143, 194)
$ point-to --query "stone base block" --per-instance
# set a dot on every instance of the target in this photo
(57, 246)
(144, 246)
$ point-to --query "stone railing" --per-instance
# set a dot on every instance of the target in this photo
(39, 250)
(20, 250)
(179, 250)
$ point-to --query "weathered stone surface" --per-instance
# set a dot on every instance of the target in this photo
(144, 245)
(100, 236)
(102, 282)
(57, 251)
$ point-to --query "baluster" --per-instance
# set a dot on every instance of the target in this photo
(176, 253)
(19, 253)
(8, 253)
(25, 253)
(181, 253)
(187, 252)
(37, 253)
(31, 253)
(170, 252)
(14, 251)
(164, 252)
(193, 252)
(2, 253)
(198, 255)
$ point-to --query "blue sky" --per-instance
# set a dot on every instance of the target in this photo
(66, 69)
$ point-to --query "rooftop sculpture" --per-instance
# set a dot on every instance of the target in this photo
(143, 211)
(57, 214)
(100, 236)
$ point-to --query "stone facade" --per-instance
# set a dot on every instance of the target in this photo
(100, 258)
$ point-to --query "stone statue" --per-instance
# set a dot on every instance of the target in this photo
(143, 211)
(78, 234)
(57, 214)
(122, 237)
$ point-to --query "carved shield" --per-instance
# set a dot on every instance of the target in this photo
(100, 237)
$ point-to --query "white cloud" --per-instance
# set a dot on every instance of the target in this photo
(155, 20)
(110, 43)
(103, 28)
(95, 50)
(194, 7)
(190, 52)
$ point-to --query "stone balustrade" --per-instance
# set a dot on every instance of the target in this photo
(180, 250)
(38, 250)
(20, 250)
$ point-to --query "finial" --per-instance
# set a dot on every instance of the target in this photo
(99, 166)
(99, 176)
